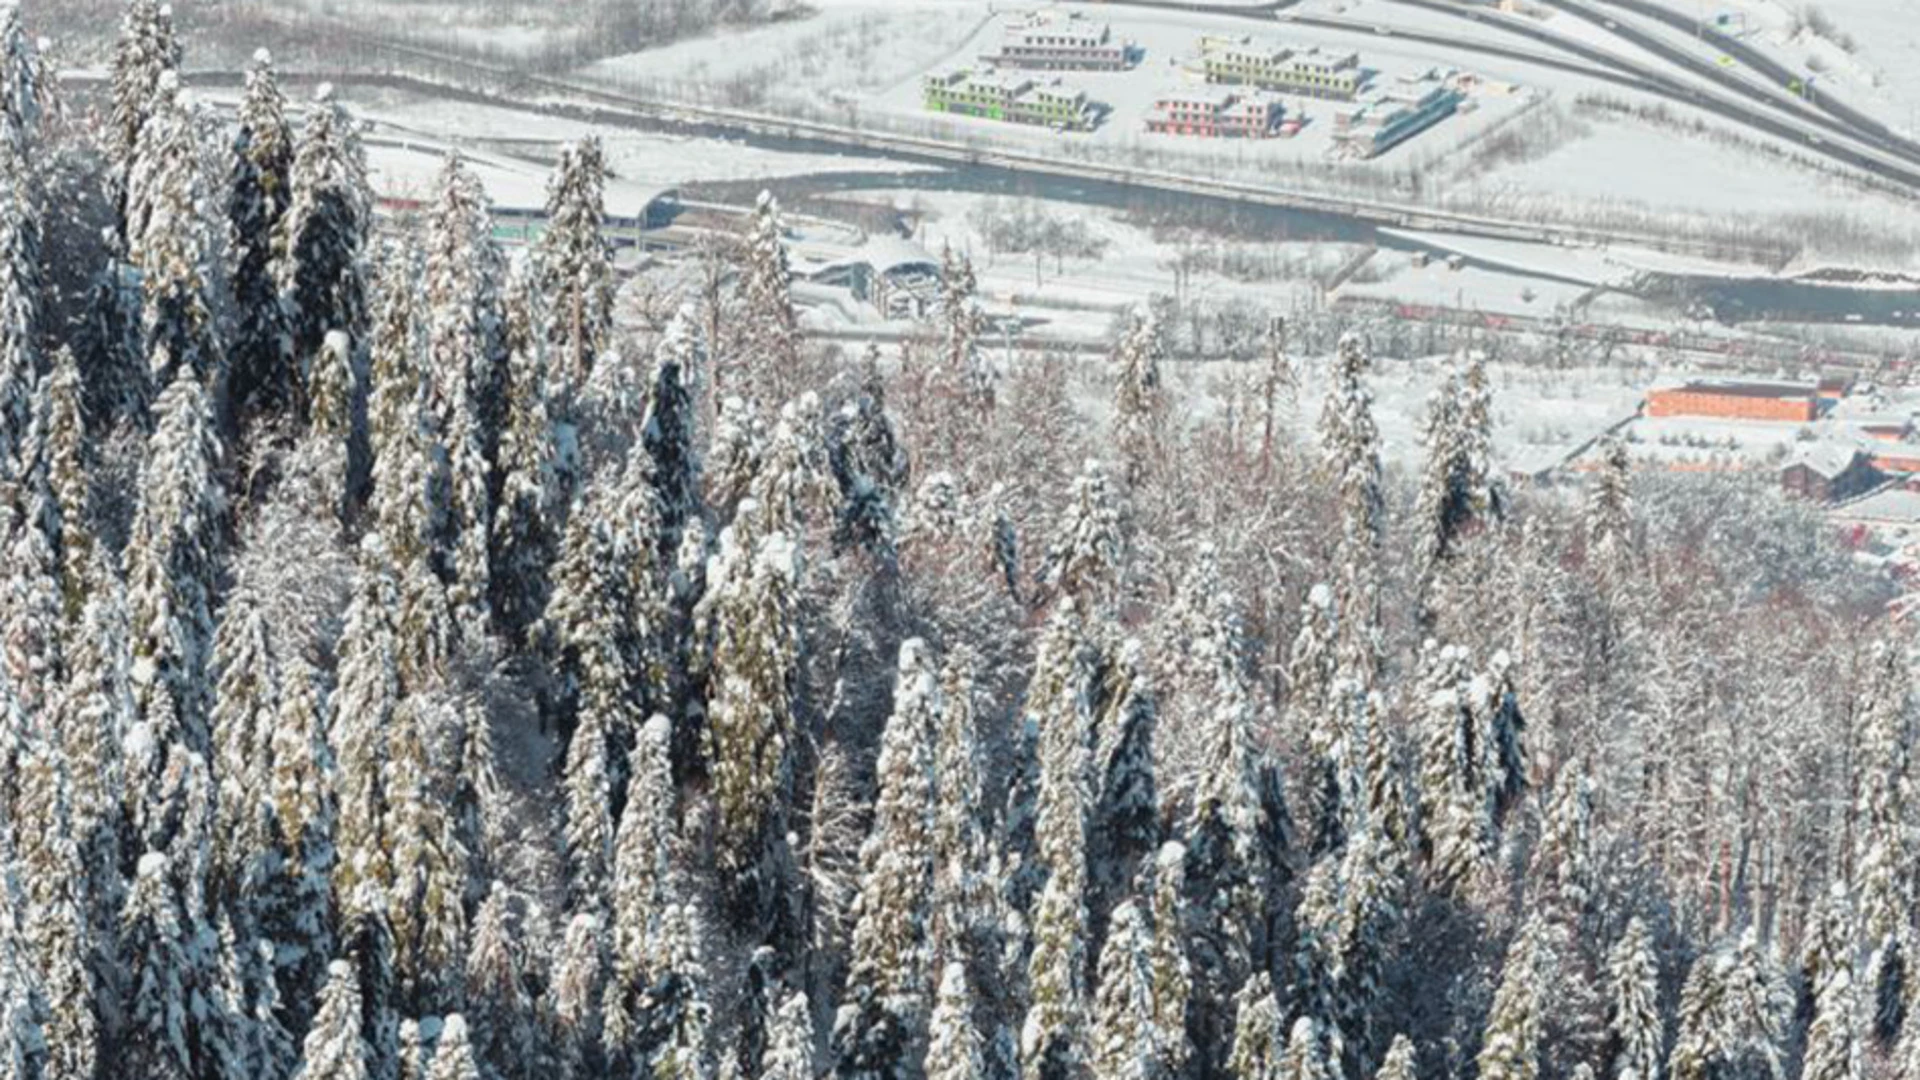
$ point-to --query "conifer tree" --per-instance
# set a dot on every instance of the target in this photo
(1634, 1018)
(1610, 510)
(1833, 1042)
(145, 50)
(368, 694)
(464, 374)
(1172, 973)
(1398, 1064)
(27, 96)
(1510, 1050)
(296, 910)
(792, 485)
(245, 713)
(1307, 1056)
(772, 345)
(29, 607)
(1052, 1042)
(427, 902)
(668, 432)
(1124, 817)
(574, 989)
(367, 941)
(525, 527)
(155, 1043)
(959, 840)
(320, 246)
(96, 713)
(58, 933)
(883, 1019)
(171, 565)
(1124, 1043)
(332, 391)
(395, 409)
(1084, 561)
(1730, 1016)
(499, 1008)
(748, 611)
(589, 782)
(1453, 809)
(1138, 400)
(66, 457)
(643, 858)
(1258, 1050)
(20, 287)
(574, 277)
(335, 1048)
(789, 1053)
(454, 1057)
(1441, 506)
(259, 183)
(171, 241)
(954, 1046)
(1350, 444)
(1881, 843)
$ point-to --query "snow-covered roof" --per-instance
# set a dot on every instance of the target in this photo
(1823, 457)
(1890, 506)
(883, 253)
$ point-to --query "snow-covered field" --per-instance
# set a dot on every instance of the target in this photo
(838, 57)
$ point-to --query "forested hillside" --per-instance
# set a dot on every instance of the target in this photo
(418, 662)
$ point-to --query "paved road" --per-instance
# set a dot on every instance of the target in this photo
(1777, 73)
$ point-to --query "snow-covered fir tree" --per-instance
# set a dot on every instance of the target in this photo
(748, 612)
(882, 1021)
(1634, 1020)
(955, 1048)
(335, 1048)
(575, 266)
(146, 49)
(1138, 402)
(320, 245)
(1084, 561)
(259, 190)
(1258, 1047)
(789, 1053)
(171, 241)
(171, 572)
(20, 285)
(1881, 842)
(1053, 1040)
(1124, 1043)
(771, 348)
(1511, 1047)
(1350, 445)
(1833, 1047)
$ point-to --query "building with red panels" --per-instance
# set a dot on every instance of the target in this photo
(1216, 113)
(1737, 400)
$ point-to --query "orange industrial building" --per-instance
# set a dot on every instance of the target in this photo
(1791, 402)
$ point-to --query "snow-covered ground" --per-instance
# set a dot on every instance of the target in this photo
(838, 57)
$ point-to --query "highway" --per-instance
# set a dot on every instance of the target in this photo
(1777, 73)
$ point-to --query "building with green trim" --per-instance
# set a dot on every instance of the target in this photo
(1008, 97)
(1313, 72)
